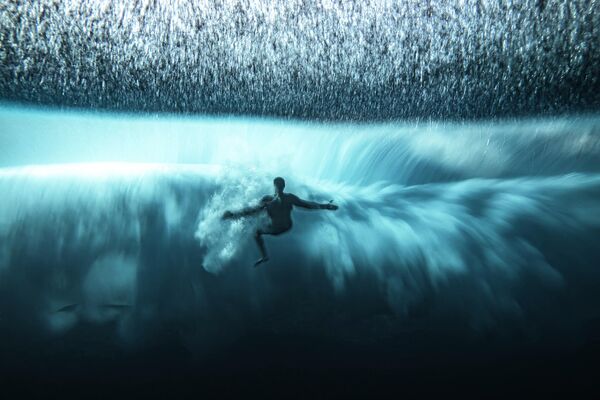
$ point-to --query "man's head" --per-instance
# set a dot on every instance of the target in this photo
(279, 184)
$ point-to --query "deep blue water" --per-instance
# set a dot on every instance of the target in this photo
(460, 251)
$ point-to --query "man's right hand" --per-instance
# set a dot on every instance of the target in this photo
(330, 206)
(227, 215)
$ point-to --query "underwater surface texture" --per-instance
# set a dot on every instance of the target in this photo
(324, 59)
(460, 140)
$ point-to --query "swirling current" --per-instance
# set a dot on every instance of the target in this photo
(460, 140)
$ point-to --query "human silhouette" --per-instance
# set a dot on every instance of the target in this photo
(279, 208)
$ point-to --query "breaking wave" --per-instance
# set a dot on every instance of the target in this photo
(473, 229)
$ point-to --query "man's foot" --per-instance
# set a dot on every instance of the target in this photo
(261, 260)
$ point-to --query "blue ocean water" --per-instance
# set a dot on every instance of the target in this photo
(459, 138)
(473, 236)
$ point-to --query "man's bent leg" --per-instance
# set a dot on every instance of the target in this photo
(269, 230)
(261, 247)
(260, 243)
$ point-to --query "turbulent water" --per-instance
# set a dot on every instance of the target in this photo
(322, 59)
(460, 140)
(467, 230)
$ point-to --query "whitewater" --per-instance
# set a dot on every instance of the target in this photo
(464, 230)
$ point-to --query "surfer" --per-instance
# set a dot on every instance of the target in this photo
(279, 208)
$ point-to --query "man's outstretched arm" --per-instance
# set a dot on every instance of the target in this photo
(297, 201)
(248, 210)
(242, 213)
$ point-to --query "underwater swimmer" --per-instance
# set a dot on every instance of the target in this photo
(279, 208)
